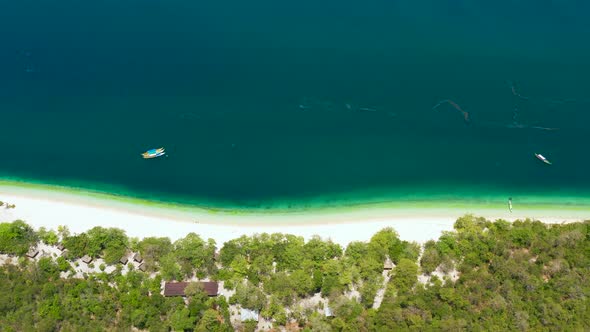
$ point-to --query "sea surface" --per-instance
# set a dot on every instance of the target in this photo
(297, 103)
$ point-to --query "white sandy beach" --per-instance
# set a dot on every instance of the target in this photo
(41, 208)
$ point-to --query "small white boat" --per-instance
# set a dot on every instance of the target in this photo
(153, 153)
(543, 159)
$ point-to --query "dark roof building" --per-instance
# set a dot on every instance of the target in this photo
(124, 260)
(177, 288)
(138, 258)
(141, 267)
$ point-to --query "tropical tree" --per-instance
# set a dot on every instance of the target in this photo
(16, 237)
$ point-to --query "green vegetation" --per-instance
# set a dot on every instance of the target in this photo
(107, 243)
(34, 298)
(483, 275)
(183, 258)
(7, 205)
(16, 238)
(50, 237)
(519, 276)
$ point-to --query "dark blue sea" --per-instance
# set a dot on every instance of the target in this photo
(263, 103)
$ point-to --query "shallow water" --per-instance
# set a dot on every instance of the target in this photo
(263, 104)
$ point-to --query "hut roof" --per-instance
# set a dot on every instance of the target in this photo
(247, 314)
(328, 312)
(141, 267)
(177, 288)
(124, 260)
(137, 258)
(86, 259)
(388, 265)
(32, 253)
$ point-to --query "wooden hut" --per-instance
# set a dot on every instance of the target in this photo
(388, 265)
(247, 314)
(328, 312)
(32, 253)
(137, 258)
(86, 259)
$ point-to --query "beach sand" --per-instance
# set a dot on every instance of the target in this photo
(80, 211)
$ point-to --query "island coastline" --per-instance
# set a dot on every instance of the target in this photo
(79, 210)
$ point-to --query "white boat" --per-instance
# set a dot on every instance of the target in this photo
(543, 159)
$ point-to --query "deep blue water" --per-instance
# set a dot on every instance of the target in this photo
(266, 101)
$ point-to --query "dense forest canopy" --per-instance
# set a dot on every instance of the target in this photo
(483, 275)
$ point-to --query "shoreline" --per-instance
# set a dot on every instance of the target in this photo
(410, 202)
(420, 222)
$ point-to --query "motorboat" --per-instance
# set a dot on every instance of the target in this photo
(542, 158)
(153, 153)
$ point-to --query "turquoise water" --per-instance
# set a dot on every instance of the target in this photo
(267, 103)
